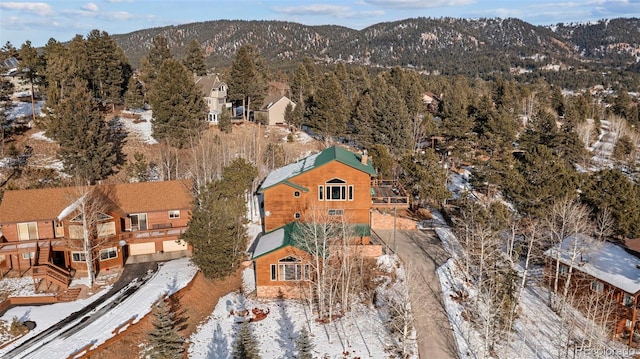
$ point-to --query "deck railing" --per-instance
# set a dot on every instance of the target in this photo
(388, 193)
(52, 274)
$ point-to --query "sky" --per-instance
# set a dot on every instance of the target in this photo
(63, 19)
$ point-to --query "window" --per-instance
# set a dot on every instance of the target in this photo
(78, 257)
(597, 286)
(108, 253)
(296, 194)
(296, 215)
(27, 231)
(350, 193)
(628, 323)
(336, 190)
(139, 222)
(320, 193)
(627, 300)
(29, 255)
(59, 229)
(563, 269)
(290, 269)
(336, 212)
(174, 214)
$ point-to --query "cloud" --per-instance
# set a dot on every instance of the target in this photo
(38, 8)
(418, 4)
(116, 15)
(316, 9)
(90, 7)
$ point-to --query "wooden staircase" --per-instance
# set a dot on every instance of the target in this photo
(50, 275)
(68, 295)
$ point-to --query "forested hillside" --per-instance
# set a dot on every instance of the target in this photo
(451, 46)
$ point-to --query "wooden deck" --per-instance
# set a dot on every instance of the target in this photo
(388, 194)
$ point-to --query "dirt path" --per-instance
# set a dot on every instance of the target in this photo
(196, 304)
(421, 253)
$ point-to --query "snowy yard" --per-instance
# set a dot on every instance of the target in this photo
(141, 128)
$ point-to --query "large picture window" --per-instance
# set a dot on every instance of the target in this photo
(139, 222)
(336, 190)
(290, 269)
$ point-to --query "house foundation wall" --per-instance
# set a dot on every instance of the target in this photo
(385, 221)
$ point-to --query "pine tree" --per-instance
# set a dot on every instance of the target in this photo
(177, 104)
(216, 228)
(304, 346)
(224, 121)
(245, 346)
(109, 68)
(425, 178)
(32, 65)
(165, 341)
(391, 123)
(328, 112)
(133, 98)
(95, 154)
(158, 53)
(194, 59)
(361, 124)
(247, 79)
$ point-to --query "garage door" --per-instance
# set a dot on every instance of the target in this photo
(172, 246)
(142, 248)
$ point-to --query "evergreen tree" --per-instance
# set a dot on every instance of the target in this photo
(424, 178)
(245, 345)
(109, 68)
(216, 228)
(361, 123)
(165, 341)
(611, 190)
(178, 107)
(6, 89)
(158, 53)
(90, 147)
(382, 161)
(304, 346)
(542, 178)
(224, 121)
(133, 98)
(247, 79)
(328, 112)
(32, 66)
(391, 122)
(623, 148)
(302, 86)
(194, 59)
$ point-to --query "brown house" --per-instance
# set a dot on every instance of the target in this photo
(334, 184)
(607, 277)
(42, 229)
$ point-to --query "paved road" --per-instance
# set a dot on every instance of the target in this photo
(422, 252)
(132, 278)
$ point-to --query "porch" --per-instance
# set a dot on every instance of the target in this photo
(388, 194)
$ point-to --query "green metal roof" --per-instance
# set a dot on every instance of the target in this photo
(335, 153)
(289, 234)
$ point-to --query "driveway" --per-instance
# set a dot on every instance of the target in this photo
(422, 252)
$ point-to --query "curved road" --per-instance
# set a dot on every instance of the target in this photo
(422, 252)
(132, 278)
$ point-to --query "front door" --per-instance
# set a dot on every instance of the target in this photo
(57, 258)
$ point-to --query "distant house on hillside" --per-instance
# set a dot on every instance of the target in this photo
(605, 279)
(334, 184)
(273, 109)
(214, 92)
(42, 229)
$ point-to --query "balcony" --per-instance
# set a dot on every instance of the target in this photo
(388, 194)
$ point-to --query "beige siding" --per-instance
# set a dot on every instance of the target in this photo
(142, 248)
(172, 246)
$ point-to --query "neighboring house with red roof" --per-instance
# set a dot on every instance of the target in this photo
(214, 93)
(604, 277)
(334, 184)
(42, 229)
(273, 109)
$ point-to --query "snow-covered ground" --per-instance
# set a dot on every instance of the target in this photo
(141, 128)
(23, 110)
(171, 277)
(360, 333)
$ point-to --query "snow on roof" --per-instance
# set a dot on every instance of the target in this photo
(70, 208)
(607, 262)
(290, 170)
(269, 242)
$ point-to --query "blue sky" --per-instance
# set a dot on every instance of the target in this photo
(63, 19)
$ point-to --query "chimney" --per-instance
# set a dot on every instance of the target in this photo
(364, 157)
